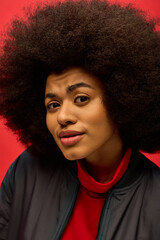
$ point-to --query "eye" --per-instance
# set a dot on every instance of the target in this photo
(81, 99)
(52, 106)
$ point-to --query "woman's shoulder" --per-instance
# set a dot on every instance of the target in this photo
(28, 166)
(150, 168)
(29, 185)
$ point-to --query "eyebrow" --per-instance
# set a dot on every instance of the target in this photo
(70, 89)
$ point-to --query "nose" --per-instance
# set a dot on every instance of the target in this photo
(66, 115)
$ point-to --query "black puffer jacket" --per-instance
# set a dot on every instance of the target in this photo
(36, 203)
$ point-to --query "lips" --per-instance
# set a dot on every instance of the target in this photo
(69, 133)
(70, 137)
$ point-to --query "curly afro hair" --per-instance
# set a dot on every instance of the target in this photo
(119, 45)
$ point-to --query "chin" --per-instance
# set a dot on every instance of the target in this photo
(73, 155)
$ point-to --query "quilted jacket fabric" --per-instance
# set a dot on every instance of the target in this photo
(36, 202)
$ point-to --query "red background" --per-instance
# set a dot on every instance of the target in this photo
(10, 148)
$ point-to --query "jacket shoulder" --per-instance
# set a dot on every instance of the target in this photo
(7, 190)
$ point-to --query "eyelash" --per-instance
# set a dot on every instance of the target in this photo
(50, 106)
(86, 97)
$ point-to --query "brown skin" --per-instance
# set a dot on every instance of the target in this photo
(100, 148)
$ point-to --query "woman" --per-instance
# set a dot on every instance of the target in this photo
(80, 86)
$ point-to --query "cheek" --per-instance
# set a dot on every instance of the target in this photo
(50, 123)
(100, 129)
(97, 118)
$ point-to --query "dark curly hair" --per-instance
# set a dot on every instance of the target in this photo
(119, 45)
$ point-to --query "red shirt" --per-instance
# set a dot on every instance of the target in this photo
(84, 221)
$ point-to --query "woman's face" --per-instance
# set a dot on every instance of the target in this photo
(76, 116)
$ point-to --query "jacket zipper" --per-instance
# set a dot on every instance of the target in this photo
(104, 218)
(67, 216)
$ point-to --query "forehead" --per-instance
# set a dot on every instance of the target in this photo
(70, 77)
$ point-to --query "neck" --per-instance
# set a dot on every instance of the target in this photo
(102, 165)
